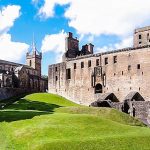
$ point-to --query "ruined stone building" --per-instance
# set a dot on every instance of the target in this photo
(15, 75)
(117, 75)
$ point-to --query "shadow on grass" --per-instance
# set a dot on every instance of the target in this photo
(25, 109)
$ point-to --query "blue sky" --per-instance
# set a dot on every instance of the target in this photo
(107, 24)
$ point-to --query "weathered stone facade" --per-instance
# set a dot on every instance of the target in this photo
(14, 75)
(85, 77)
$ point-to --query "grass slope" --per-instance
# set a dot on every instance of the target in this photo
(56, 123)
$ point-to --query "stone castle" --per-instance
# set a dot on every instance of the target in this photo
(15, 75)
(116, 76)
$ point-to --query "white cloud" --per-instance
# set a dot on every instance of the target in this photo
(47, 10)
(12, 51)
(9, 50)
(7, 17)
(97, 17)
(54, 43)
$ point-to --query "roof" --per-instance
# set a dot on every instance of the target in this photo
(14, 64)
(108, 96)
(134, 96)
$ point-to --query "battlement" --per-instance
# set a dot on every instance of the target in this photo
(142, 29)
(108, 52)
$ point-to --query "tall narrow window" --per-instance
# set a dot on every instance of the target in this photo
(147, 36)
(75, 66)
(68, 73)
(56, 69)
(106, 60)
(82, 64)
(97, 62)
(89, 63)
(138, 66)
(56, 78)
(129, 67)
(140, 36)
(30, 63)
(115, 59)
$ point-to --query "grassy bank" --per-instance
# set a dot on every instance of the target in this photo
(47, 121)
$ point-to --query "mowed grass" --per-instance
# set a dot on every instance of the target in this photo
(50, 122)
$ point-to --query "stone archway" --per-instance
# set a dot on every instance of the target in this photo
(98, 88)
(134, 96)
(104, 103)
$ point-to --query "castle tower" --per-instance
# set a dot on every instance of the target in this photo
(142, 36)
(71, 46)
(33, 59)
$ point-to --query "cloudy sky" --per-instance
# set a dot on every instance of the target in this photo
(108, 24)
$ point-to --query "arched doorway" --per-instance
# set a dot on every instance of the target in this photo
(104, 103)
(98, 88)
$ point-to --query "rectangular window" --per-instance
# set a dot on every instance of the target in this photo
(138, 66)
(82, 64)
(75, 66)
(55, 69)
(89, 63)
(115, 59)
(68, 73)
(97, 62)
(56, 78)
(129, 67)
(106, 60)
(140, 36)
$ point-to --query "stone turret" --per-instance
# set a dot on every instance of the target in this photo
(33, 59)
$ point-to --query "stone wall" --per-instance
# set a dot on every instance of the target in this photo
(129, 73)
(6, 93)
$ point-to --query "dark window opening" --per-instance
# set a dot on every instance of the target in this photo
(122, 72)
(140, 36)
(142, 73)
(55, 69)
(82, 64)
(140, 42)
(68, 73)
(129, 67)
(89, 63)
(114, 74)
(98, 88)
(138, 66)
(130, 88)
(118, 89)
(97, 62)
(147, 36)
(56, 78)
(75, 66)
(139, 88)
(30, 63)
(106, 60)
(115, 59)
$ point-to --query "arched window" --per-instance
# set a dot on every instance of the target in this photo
(98, 88)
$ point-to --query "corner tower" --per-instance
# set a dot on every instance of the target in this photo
(33, 59)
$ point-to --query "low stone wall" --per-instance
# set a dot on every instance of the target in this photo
(6, 93)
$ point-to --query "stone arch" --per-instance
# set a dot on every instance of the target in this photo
(104, 103)
(109, 96)
(98, 88)
(134, 96)
(8, 82)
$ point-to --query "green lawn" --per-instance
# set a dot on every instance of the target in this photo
(46, 122)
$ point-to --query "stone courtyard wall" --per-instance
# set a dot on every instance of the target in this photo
(6, 93)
